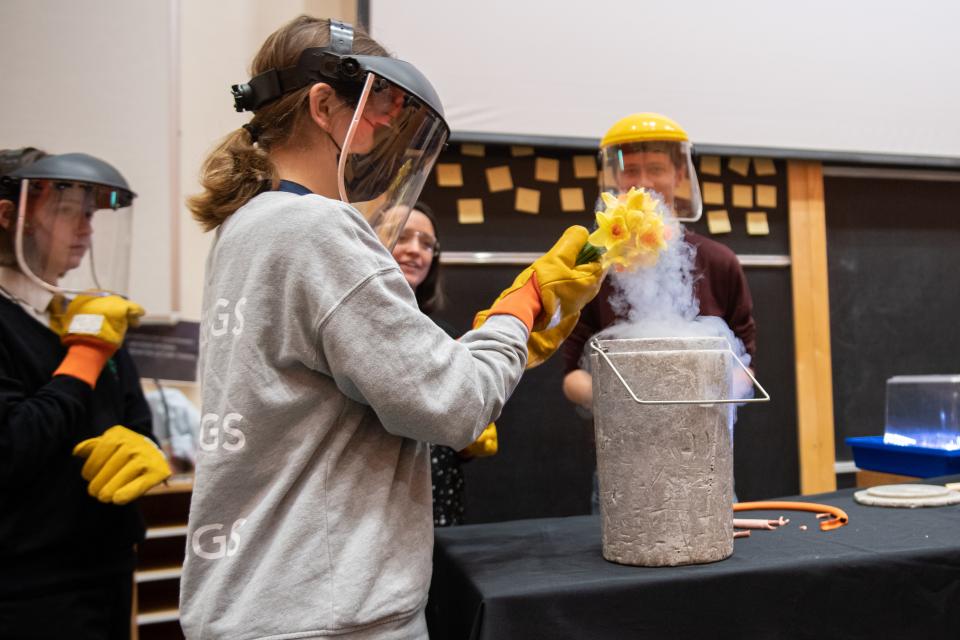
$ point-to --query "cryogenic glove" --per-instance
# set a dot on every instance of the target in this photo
(93, 327)
(562, 288)
(121, 465)
(101, 318)
(484, 446)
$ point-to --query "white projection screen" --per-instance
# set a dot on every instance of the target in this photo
(827, 77)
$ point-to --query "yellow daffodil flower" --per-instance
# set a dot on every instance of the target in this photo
(612, 230)
(631, 232)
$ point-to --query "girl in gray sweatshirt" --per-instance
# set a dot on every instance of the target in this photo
(321, 380)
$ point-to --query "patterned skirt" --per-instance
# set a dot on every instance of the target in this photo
(448, 486)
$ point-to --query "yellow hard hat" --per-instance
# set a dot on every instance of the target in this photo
(644, 127)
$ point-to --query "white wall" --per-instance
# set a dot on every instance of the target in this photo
(875, 76)
(95, 76)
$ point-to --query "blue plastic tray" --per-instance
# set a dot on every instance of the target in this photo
(869, 452)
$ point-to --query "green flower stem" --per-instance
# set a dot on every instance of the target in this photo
(589, 253)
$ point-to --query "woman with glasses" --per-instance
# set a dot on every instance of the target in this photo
(418, 254)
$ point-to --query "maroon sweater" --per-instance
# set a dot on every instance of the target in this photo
(719, 285)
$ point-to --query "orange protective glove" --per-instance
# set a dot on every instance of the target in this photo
(484, 446)
(562, 288)
(121, 465)
(94, 328)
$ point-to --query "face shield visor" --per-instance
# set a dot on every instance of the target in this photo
(71, 237)
(394, 137)
(388, 152)
(663, 167)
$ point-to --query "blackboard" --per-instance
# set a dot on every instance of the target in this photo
(893, 250)
(546, 458)
(165, 351)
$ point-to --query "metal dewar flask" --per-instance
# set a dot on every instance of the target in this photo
(664, 437)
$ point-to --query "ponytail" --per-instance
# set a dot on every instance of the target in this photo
(235, 172)
(240, 168)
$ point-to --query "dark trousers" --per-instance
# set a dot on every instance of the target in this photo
(94, 610)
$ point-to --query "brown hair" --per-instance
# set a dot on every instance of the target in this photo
(430, 297)
(10, 161)
(237, 170)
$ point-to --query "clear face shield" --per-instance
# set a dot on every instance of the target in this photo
(73, 237)
(387, 155)
(664, 167)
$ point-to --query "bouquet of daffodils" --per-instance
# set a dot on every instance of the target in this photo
(630, 233)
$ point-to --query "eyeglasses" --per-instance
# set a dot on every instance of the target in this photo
(426, 241)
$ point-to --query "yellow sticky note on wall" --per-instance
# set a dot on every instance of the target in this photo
(571, 199)
(499, 179)
(470, 210)
(718, 221)
(547, 170)
(584, 167)
(527, 200)
(742, 196)
(739, 166)
(519, 152)
(713, 193)
(757, 223)
(767, 196)
(710, 165)
(449, 175)
(764, 167)
(476, 150)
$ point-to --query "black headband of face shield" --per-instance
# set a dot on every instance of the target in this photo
(332, 64)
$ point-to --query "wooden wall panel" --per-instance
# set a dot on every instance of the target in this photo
(811, 309)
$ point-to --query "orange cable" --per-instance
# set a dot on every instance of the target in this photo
(839, 519)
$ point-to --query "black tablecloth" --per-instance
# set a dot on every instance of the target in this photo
(889, 573)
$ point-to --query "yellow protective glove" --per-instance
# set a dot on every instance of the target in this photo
(121, 465)
(564, 289)
(97, 318)
(484, 446)
(94, 328)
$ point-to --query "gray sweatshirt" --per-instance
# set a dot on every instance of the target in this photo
(311, 511)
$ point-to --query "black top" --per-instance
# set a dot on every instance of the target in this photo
(51, 530)
(889, 573)
(445, 472)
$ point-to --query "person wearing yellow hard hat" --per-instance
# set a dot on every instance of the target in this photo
(652, 151)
